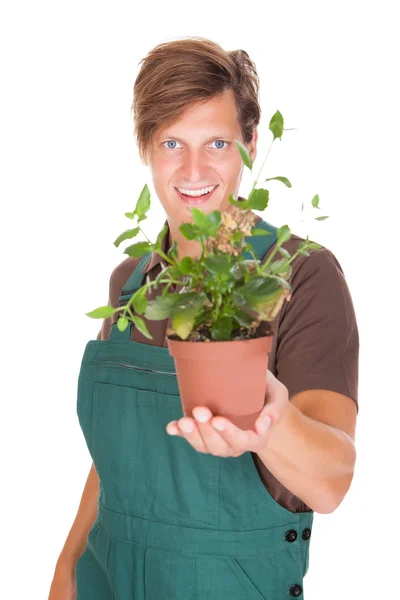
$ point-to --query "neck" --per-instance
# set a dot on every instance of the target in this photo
(185, 247)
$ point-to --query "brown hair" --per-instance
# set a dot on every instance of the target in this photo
(176, 74)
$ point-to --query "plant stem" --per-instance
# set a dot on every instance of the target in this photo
(144, 233)
(265, 160)
(166, 257)
(269, 259)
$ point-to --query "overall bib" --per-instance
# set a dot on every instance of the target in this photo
(172, 523)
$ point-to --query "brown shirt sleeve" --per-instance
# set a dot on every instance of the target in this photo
(318, 342)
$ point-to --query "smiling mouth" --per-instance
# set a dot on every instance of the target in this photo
(196, 199)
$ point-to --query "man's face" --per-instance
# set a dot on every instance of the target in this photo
(198, 152)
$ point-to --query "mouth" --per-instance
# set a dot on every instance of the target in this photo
(195, 200)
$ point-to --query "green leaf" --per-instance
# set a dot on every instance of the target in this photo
(276, 125)
(283, 179)
(103, 312)
(173, 250)
(138, 249)
(126, 235)
(321, 218)
(188, 231)
(314, 246)
(143, 203)
(303, 252)
(259, 231)
(315, 201)
(199, 218)
(241, 203)
(214, 217)
(238, 270)
(284, 252)
(244, 153)
(238, 236)
(122, 323)
(161, 307)
(160, 237)
(221, 329)
(280, 266)
(243, 318)
(281, 281)
(130, 215)
(185, 312)
(258, 289)
(284, 234)
(139, 300)
(217, 264)
(269, 309)
(186, 265)
(238, 298)
(258, 199)
(141, 325)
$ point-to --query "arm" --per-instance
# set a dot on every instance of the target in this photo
(311, 449)
(311, 452)
(77, 537)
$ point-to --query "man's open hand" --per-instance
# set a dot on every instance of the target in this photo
(217, 435)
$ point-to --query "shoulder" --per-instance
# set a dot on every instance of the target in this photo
(119, 276)
(320, 261)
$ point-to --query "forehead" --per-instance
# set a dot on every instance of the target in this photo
(214, 117)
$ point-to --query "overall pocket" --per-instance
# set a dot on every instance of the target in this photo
(128, 430)
(261, 577)
(144, 471)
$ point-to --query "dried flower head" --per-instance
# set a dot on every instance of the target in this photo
(233, 220)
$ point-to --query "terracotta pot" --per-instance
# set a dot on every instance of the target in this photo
(230, 378)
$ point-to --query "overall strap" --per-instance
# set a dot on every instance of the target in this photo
(134, 282)
(260, 243)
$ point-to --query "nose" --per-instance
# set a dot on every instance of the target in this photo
(193, 164)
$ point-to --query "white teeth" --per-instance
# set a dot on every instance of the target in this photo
(195, 193)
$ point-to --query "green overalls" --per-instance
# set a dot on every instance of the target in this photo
(172, 523)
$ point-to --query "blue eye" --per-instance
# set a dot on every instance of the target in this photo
(170, 142)
(220, 141)
(215, 142)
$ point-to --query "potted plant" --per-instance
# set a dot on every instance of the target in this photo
(221, 334)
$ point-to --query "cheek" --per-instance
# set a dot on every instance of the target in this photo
(162, 169)
(230, 169)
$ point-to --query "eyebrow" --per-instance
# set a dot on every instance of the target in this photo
(214, 137)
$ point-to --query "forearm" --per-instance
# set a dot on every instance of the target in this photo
(85, 517)
(311, 459)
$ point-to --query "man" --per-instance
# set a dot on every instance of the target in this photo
(219, 529)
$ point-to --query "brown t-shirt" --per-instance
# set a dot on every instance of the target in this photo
(315, 343)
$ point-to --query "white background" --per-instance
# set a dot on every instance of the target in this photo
(69, 171)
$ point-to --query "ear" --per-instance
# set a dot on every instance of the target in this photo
(252, 147)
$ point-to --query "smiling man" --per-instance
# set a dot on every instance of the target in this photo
(195, 162)
(193, 507)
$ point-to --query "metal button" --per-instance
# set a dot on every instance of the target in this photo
(306, 534)
(291, 535)
(296, 590)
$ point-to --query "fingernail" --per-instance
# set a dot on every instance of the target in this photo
(267, 421)
(187, 427)
(219, 426)
(202, 417)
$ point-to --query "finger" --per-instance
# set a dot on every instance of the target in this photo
(212, 440)
(173, 429)
(190, 432)
(239, 440)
